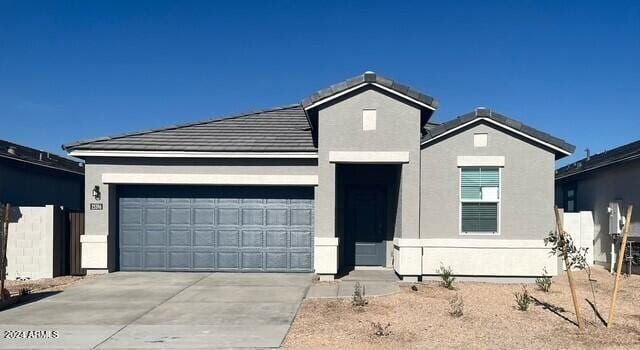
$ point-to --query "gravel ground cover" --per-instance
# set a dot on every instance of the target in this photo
(421, 319)
(55, 284)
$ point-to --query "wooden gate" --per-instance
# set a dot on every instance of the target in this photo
(75, 228)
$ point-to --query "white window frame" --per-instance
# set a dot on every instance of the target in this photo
(460, 201)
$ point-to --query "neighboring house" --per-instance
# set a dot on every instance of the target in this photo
(29, 177)
(355, 175)
(41, 188)
(599, 182)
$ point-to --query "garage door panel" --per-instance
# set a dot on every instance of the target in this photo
(204, 238)
(299, 260)
(180, 216)
(131, 216)
(203, 216)
(228, 260)
(155, 237)
(276, 260)
(194, 228)
(277, 217)
(180, 260)
(180, 238)
(276, 239)
(228, 216)
(154, 259)
(300, 239)
(228, 238)
(204, 260)
(131, 237)
(251, 260)
(301, 217)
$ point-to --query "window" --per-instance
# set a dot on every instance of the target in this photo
(570, 198)
(369, 119)
(480, 140)
(479, 200)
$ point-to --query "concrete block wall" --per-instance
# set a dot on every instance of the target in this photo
(30, 245)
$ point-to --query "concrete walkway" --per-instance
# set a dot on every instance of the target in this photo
(375, 282)
(163, 310)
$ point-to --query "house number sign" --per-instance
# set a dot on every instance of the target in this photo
(95, 206)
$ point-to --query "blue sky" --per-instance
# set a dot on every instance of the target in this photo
(76, 70)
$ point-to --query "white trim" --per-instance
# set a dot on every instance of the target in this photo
(498, 243)
(368, 157)
(210, 179)
(325, 241)
(93, 238)
(178, 154)
(502, 126)
(480, 161)
(333, 97)
(407, 242)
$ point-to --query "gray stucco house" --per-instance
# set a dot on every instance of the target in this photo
(355, 175)
(604, 184)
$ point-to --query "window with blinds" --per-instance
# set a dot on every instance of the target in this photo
(480, 200)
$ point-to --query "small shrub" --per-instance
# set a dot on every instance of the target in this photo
(414, 288)
(456, 305)
(544, 282)
(359, 296)
(523, 300)
(380, 329)
(447, 277)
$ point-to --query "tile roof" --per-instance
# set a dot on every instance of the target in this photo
(369, 77)
(617, 155)
(283, 129)
(512, 123)
(36, 157)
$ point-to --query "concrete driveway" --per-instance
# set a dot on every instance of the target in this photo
(162, 310)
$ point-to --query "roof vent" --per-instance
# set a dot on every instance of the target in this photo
(11, 150)
(483, 112)
(369, 76)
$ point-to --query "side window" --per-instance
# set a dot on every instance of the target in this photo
(570, 199)
(479, 200)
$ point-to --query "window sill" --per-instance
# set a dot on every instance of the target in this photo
(479, 233)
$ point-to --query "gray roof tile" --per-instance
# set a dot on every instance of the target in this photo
(625, 153)
(279, 129)
(371, 78)
(437, 130)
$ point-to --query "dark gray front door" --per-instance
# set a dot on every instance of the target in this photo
(215, 228)
(365, 212)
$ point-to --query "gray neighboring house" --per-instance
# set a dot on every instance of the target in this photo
(599, 182)
(30, 177)
(355, 175)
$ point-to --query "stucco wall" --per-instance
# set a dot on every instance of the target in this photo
(527, 198)
(103, 222)
(596, 189)
(397, 129)
(30, 185)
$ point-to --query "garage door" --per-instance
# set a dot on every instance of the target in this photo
(215, 228)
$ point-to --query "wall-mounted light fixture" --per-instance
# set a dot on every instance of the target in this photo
(96, 192)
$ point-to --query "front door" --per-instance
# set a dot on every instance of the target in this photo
(365, 214)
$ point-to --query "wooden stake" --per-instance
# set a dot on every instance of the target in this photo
(616, 285)
(3, 258)
(574, 294)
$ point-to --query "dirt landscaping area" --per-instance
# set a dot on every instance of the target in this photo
(55, 284)
(421, 319)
